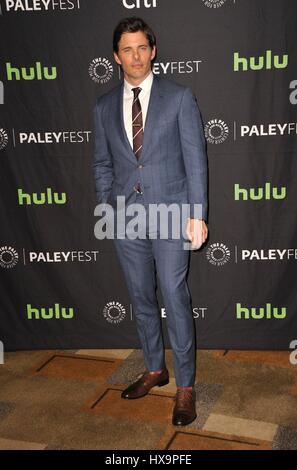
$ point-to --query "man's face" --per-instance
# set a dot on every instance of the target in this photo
(135, 55)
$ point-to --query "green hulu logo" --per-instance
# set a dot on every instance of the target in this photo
(257, 194)
(258, 313)
(44, 313)
(49, 197)
(37, 72)
(259, 63)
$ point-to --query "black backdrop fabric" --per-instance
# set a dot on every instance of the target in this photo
(63, 288)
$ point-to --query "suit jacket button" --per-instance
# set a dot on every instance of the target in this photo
(140, 166)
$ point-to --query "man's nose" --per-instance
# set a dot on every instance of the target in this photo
(136, 55)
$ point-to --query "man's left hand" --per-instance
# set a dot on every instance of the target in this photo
(197, 232)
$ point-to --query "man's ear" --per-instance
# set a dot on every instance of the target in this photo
(154, 50)
(116, 58)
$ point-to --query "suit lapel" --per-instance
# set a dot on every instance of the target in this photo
(122, 130)
(152, 116)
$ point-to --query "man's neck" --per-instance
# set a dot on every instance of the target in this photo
(136, 82)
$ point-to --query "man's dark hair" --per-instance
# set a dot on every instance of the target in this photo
(132, 25)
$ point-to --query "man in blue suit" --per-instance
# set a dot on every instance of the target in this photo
(150, 148)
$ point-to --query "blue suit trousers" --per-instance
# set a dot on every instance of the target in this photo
(149, 262)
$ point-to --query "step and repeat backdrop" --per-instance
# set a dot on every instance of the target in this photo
(63, 288)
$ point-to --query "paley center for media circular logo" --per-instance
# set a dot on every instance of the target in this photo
(218, 254)
(114, 312)
(100, 70)
(3, 139)
(8, 257)
(214, 3)
(216, 131)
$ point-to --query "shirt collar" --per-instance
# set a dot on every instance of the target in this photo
(145, 85)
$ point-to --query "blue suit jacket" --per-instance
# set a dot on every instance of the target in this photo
(172, 167)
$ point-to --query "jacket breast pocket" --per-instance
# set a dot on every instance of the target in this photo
(175, 187)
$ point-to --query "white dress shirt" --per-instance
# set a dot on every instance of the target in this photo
(144, 97)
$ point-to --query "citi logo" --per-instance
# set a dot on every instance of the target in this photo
(37, 72)
(259, 63)
(130, 4)
(257, 194)
(48, 197)
(44, 313)
(1, 93)
(260, 313)
(3, 139)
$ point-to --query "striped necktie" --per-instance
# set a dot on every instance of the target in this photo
(137, 128)
(137, 125)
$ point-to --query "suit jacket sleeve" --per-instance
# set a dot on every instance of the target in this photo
(194, 152)
(102, 163)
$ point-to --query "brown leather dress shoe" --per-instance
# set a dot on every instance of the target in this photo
(184, 411)
(142, 386)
